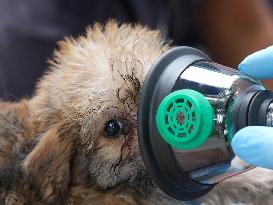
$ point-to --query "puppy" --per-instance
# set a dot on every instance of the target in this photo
(75, 140)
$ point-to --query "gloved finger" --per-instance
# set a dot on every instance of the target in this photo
(254, 145)
(259, 65)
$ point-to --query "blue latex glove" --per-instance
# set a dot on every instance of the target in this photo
(254, 144)
(259, 65)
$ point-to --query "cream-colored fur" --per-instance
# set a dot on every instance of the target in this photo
(61, 154)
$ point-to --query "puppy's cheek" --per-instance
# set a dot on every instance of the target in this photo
(109, 148)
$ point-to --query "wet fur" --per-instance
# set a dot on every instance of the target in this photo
(52, 147)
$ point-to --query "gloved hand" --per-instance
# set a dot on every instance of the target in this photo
(254, 144)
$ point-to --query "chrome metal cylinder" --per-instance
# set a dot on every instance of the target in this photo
(212, 161)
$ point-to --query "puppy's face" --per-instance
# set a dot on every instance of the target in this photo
(109, 130)
(95, 82)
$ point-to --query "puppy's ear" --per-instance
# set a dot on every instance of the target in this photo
(16, 128)
(48, 164)
(12, 126)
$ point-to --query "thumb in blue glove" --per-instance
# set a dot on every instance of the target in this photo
(259, 65)
(255, 144)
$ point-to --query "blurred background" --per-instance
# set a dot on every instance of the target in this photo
(228, 30)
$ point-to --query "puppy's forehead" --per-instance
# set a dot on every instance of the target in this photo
(118, 89)
(128, 73)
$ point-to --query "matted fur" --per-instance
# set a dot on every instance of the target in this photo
(53, 149)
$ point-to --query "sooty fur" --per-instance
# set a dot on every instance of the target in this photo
(53, 148)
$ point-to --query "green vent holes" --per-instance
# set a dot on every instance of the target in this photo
(185, 119)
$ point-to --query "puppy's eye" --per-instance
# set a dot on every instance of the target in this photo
(113, 128)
